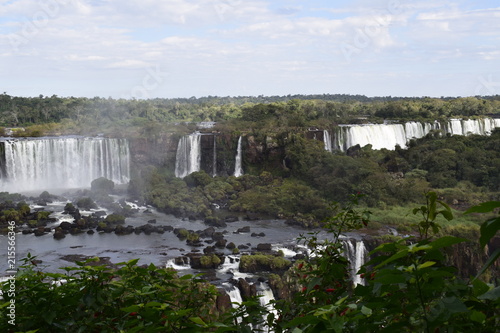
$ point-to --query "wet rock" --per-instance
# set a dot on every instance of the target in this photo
(65, 225)
(223, 301)
(230, 246)
(264, 247)
(153, 221)
(207, 233)
(215, 222)
(247, 291)
(252, 216)
(39, 232)
(217, 236)
(75, 231)
(221, 243)
(58, 234)
(230, 219)
(209, 249)
(254, 234)
(243, 247)
(243, 230)
(90, 232)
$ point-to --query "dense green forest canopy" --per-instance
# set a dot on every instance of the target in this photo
(79, 113)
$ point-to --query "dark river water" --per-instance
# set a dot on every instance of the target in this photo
(155, 248)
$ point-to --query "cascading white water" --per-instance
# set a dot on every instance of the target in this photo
(238, 169)
(214, 160)
(328, 141)
(356, 254)
(389, 135)
(379, 136)
(265, 297)
(63, 163)
(188, 157)
(234, 295)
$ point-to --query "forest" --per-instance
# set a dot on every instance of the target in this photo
(441, 190)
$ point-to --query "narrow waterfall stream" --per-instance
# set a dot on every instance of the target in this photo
(238, 169)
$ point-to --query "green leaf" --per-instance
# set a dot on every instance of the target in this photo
(493, 294)
(132, 262)
(366, 311)
(477, 316)
(132, 308)
(484, 207)
(479, 287)
(198, 320)
(489, 262)
(390, 278)
(417, 247)
(489, 230)
(454, 305)
(153, 305)
(426, 264)
(396, 256)
(446, 241)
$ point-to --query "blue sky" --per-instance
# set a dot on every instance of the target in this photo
(175, 48)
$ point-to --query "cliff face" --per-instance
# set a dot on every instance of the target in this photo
(157, 151)
(217, 153)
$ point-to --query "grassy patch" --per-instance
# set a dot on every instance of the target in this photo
(402, 218)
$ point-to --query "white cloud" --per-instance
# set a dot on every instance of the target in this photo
(214, 45)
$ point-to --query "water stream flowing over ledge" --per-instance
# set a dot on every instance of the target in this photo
(62, 162)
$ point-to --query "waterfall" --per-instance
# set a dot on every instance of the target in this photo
(356, 254)
(63, 162)
(327, 140)
(389, 135)
(214, 160)
(266, 296)
(188, 157)
(234, 294)
(238, 170)
(379, 136)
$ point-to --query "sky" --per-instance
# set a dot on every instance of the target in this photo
(150, 48)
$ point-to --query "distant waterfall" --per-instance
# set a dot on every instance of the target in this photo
(188, 158)
(265, 297)
(356, 254)
(214, 159)
(389, 136)
(238, 170)
(62, 162)
(234, 294)
(327, 140)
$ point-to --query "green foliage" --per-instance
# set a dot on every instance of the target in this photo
(488, 230)
(263, 262)
(95, 298)
(429, 214)
(86, 203)
(210, 261)
(407, 288)
(114, 219)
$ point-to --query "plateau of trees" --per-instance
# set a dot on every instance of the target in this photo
(46, 115)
